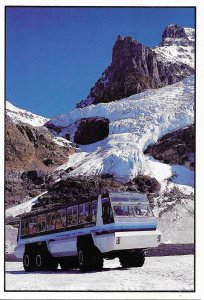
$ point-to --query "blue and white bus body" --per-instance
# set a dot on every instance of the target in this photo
(120, 235)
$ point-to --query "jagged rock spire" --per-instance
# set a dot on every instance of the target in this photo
(135, 68)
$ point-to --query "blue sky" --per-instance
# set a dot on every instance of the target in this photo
(55, 55)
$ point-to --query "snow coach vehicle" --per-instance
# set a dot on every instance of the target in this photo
(118, 224)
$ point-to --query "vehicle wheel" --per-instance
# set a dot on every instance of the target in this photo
(28, 262)
(53, 264)
(97, 261)
(68, 263)
(125, 260)
(139, 259)
(44, 261)
(40, 261)
(90, 260)
(84, 261)
(133, 259)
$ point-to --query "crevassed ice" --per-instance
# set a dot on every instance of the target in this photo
(135, 122)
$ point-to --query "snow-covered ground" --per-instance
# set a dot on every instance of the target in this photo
(135, 122)
(166, 273)
(11, 239)
(178, 174)
(176, 222)
(20, 115)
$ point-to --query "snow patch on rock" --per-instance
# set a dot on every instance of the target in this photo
(20, 115)
(22, 208)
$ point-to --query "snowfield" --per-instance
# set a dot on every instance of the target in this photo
(167, 273)
(11, 239)
(20, 115)
(135, 122)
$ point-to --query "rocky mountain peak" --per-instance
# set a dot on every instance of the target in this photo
(176, 35)
(136, 68)
(126, 48)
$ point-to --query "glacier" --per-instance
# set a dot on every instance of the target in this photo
(135, 122)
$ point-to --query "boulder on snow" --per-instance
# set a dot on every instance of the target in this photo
(91, 130)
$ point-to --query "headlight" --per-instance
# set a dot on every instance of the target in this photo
(118, 240)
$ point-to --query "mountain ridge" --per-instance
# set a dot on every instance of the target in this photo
(135, 67)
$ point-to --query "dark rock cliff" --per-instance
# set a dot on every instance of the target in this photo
(135, 68)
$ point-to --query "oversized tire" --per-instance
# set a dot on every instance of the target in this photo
(84, 260)
(132, 259)
(139, 260)
(67, 263)
(89, 256)
(43, 261)
(90, 260)
(28, 261)
(97, 261)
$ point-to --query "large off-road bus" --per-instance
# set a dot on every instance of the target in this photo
(83, 235)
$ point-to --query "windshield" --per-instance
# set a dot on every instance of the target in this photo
(137, 210)
(130, 204)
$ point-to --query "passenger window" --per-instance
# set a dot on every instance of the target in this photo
(26, 225)
(69, 216)
(51, 221)
(81, 214)
(94, 211)
(40, 223)
(23, 226)
(75, 215)
(72, 215)
(107, 213)
(61, 218)
(32, 225)
(84, 213)
(87, 213)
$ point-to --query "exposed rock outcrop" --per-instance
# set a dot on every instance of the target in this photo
(91, 130)
(83, 188)
(177, 147)
(20, 187)
(135, 68)
(176, 35)
(29, 147)
(145, 184)
(79, 189)
(30, 155)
